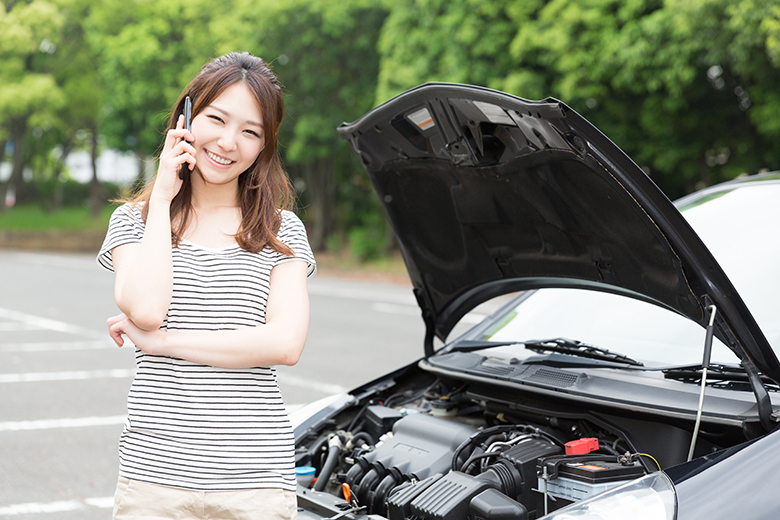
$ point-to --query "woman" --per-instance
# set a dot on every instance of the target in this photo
(211, 281)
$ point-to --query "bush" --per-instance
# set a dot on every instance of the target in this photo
(51, 193)
(368, 242)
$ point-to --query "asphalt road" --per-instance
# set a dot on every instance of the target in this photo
(63, 383)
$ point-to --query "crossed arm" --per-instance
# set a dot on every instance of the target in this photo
(279, 342)
(143, 289)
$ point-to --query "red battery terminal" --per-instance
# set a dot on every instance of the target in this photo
(582, 446)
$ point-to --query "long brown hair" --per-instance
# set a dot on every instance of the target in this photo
(264, 187)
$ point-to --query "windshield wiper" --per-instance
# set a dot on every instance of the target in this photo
(578, 348)
(470, 345)
(716, 373)
(559, 345)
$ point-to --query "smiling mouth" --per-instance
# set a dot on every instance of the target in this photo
(218, 159)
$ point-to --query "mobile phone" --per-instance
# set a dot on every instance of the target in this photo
(185, 168)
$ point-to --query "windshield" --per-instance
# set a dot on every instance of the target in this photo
(739, 226)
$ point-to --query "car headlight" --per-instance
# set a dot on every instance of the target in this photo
(651, 497)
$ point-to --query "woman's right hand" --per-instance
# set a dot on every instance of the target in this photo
(176, 152)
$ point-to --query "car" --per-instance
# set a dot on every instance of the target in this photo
(631, 370)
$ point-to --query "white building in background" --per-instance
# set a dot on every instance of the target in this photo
(112, 166)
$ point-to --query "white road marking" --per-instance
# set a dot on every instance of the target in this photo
(75, 375)
(51, 424)
(48, 324)
(60, 506)
(364, 295)
(13, 326)
(84, 263)
(119, 373)
(55, 346)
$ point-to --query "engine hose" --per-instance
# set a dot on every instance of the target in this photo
(508, 478)
(477, 454)
(366, 484)
(362, 436)
(377, 498)
(330, 464)
(356, 472)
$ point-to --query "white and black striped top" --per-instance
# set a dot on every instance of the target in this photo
(199, 427)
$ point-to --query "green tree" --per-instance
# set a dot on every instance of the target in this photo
(29, 94)
(76, 127)
(147, 52)
(688, 89)
(747, 49)
(460, 41)
(325, 55)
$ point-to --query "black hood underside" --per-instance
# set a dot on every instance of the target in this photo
(489, 194)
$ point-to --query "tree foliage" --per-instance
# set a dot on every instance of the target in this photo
(29, 93)
(687, 88)
(326, 55)
(690, 89)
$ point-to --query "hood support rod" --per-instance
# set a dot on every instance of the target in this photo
(763, 402)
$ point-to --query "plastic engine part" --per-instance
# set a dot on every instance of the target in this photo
(494, 505)
(421, 446)
(448, 498)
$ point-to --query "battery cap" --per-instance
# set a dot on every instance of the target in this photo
(582, 446)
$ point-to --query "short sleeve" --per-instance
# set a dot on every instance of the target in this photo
(125, 227)
(293, 233)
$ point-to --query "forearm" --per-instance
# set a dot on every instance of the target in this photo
(144, 277)
(279, 341)
(263, 345)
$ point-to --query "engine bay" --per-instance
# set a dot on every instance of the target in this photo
(426, 447)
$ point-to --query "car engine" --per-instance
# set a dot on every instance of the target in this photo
(442, 456)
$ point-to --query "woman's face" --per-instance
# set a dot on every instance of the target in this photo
(228, 135)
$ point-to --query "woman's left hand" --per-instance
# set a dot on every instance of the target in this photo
(148, 341)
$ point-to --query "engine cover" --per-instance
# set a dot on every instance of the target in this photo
(421, 445)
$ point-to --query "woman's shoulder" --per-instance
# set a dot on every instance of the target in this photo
(292, 232)
(128, 214)
(292, 228)
(130, 209)
(290, 221)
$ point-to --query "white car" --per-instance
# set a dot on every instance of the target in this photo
(628, 377)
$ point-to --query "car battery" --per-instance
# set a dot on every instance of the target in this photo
(573, 480)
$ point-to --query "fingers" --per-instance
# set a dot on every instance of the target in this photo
(177, 134)
(178, 156)
(115, 330)
(185, 152)
(178, 147)
(143, 340)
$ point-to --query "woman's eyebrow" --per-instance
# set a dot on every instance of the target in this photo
(225, 112)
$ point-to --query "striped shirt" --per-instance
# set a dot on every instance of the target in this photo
(199, 427)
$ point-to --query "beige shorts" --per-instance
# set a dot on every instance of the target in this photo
(135, 500)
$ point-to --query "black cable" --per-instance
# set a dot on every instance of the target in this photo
(475, 458)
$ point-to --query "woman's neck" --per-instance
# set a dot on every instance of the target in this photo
(207, 198)
(216, 215)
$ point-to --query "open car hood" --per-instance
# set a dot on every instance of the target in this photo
(489, 193)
